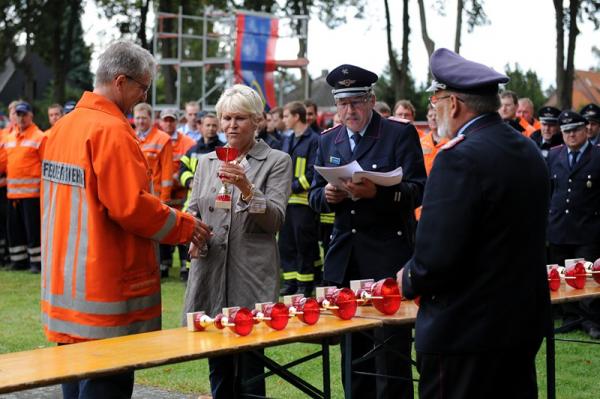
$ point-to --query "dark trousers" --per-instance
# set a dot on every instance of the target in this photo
(397, 364)
(24, 232)
(4, 254)
(503, 374)
(116, 386)
(585, 309)
(166, 254)
(325, 231)
(298, 244)
(228, 373)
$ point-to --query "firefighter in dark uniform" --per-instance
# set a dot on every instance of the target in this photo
(374, 225)
(574, 217)
(480, 242)
(548, 135)
(298, 241)
(591, 113)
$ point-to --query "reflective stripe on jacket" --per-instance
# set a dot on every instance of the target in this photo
(159, 153)
(100, 275)
(181, 145)
(24, 154)
(303, 151)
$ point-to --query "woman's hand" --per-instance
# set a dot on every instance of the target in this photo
(234, 174)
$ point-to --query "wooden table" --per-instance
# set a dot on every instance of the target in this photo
(48, 366)
(570, 294)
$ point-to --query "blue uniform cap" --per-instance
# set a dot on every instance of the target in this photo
(591, 112)
(349, 81)
(452, 72)
(570, 120)
(23, 107)
(549, 115)
(69, 106)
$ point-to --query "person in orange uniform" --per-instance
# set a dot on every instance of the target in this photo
(430, 144)
(526, 118)
(4, 133)
(156, 146)
(181, 143)
(24, 147)
(100, 224)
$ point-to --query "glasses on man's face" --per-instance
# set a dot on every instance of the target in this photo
(433, 100)
(142, 86)
(341, 104)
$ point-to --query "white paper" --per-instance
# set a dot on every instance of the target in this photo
(384, 179)
(336, 175)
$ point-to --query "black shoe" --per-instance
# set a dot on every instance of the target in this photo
(35, 270)
(306, 290)
(288, 289)
(592, 329)
(569, 324)
(18, 266)
(183, 274)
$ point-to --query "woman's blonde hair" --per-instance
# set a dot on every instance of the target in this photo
(243, 99)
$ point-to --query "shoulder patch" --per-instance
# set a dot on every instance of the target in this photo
(331, 128)
(453, 142)
(557, 146)
(401, 120)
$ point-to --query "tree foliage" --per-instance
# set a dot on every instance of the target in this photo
(525, 84)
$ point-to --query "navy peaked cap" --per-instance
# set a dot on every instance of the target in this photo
(23, 107)
(570, 120)
(549, 115)
(591, 112)
(349, 80)
(452, 72)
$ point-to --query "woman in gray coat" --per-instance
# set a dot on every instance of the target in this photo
(239, 263)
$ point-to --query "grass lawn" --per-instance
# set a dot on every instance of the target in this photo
(577, 365)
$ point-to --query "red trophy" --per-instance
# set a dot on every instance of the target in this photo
(384, 294)
(225, 154)
(198, 321)
(275, 315)
(239, 320)
(341, 301)
(594, 270)
(574, 274)
(307, 310)
(553, 277)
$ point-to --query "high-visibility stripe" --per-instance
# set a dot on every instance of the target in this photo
(303, 182)
(185, 176)
(19, 248)
(327, 218)
(289, 275)
(318, 263)
(30, 143)
(82, 251)
(301, 199)
(305, 278)
(177, 157)
(23, 190)
(45, 234)
(10, 144)
(24, 181)
(69, 260)
(166, 227)
(185, 160)
(3, 181)
(94, 332)
(51, 220)
(18, 257)
(35, 258)
(33, 251)
(147, 147)
(166, 183)
(103, 308)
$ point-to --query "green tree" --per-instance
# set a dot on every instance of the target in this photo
(525, 84)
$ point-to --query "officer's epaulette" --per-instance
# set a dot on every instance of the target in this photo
(330, 129)
(556, 146)
(401, 120)
(453, 142)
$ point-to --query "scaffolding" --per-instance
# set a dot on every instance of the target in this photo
(198, 50)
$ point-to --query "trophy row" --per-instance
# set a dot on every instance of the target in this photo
(384, 295)
(575, 273)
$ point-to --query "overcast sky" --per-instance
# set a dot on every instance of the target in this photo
(519, 31)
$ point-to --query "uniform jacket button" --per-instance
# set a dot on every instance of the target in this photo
(399, 233)
(353, 212)
(353, 231)
(211, 209)
(567, 211)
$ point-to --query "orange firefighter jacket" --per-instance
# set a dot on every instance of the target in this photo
(24, 162)
(158, 150)
(529, 129)
(181, 144)
(430, 150)
(3, 160)
(100, 228)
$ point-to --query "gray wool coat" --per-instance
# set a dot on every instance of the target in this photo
(241, 265)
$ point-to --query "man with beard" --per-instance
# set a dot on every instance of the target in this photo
(374, 225)
(480, 239)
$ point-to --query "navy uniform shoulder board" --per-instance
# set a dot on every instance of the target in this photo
(331, 128)
(399, 120)
(556, 146)
(453, 142)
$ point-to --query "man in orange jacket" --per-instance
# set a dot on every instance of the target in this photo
(4, 133)
(100, 224)
(526, 118)
(24, 148)
(156, 146)
(181, 144)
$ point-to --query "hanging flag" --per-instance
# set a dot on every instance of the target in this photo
(255, 54)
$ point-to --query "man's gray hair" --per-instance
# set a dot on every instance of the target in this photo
(124, 58)
(480, 104)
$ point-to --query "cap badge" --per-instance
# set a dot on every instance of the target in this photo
(345, 71)
(347, 82)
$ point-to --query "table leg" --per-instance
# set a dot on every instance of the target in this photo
(326, 369)
(348, 366)
(550, 363)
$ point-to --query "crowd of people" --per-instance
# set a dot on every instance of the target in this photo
(98, 203)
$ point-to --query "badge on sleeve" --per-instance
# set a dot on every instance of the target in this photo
(335, 160)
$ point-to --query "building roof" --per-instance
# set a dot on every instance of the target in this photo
(586, 89)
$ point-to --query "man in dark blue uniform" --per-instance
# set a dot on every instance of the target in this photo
(574, 220)
(374, 226)
(298, 240)
(548, 135)
(479, 264)
(591, 113)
